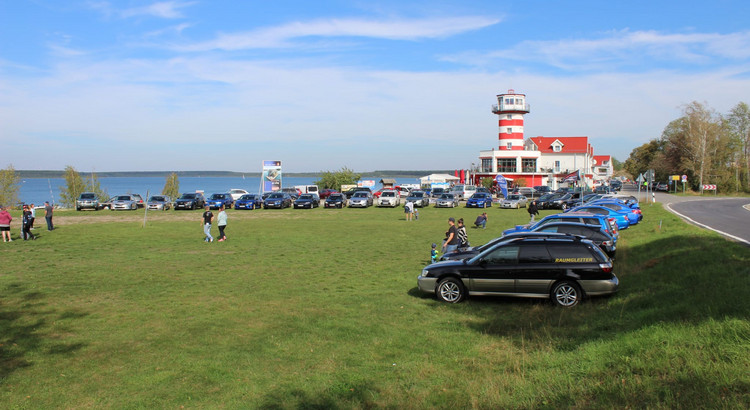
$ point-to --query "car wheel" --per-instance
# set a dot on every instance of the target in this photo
(451, 290)
(566, 294)
(563, 207)
(484, 204)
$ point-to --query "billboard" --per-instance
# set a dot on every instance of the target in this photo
(271, 176)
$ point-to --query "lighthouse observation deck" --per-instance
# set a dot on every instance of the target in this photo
(511, 103)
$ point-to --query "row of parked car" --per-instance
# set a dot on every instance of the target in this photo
(564, 257)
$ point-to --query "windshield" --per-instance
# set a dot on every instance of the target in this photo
(123, 198)
(388, 194)
(360, 194)
(247, 197)
(514, 197)
(188, 196)
(218, 196)
(157, 199)
(446, 196)
(276, 196)
(306, 196)
(88, 196)
(334, 197)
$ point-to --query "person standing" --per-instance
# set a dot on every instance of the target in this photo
(222, 222)
(5, 219)
(26, 221)
(532, 210)
(33, 214)
(48, 215)
(408, 210)
(463, 237)
(206, 220)
(451, 237)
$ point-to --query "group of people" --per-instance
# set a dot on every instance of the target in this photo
(455, 238)
(207, 220)
(27, 221)
(411, 211)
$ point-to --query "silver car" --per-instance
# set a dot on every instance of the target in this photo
(124, 202)
(446, 201)
(419, 199)
(159, 203)
(514, 201)
(361, 199)
(389, 198)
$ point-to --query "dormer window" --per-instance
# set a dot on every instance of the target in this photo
(556, 148)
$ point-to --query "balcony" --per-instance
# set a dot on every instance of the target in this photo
(504, 108)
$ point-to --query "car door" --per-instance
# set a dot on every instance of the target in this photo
(536, 270)
(493, 270)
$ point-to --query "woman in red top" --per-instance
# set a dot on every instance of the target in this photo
(5, 219)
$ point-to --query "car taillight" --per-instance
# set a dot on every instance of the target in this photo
(637, 211)
(606, 267)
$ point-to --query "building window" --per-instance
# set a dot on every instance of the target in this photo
(603, 170)
(486, 164)
(510, 117)
(528, 165)
(506, 165)
(556, 148)
(509, 101)
(509, 130)
(519, 101)
(509, 145)
(557, 166)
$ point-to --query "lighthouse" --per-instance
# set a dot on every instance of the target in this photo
(510, 109)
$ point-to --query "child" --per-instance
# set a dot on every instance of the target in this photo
(416, 213)
(433, 253)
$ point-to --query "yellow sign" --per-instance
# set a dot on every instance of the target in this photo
(675, 177)
(573, 260)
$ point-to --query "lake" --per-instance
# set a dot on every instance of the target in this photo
(37, 190)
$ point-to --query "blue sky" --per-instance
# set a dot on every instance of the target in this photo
(222, 85)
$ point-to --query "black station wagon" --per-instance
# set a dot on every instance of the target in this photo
(562, 269)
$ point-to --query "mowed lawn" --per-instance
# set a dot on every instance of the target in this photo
(319, 309)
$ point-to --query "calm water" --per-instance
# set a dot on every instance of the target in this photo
(37, 190)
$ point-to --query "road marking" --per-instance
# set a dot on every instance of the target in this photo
(728, 235)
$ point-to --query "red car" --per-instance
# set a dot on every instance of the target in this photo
(326, 192)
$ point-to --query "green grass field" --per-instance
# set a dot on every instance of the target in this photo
(319, 309)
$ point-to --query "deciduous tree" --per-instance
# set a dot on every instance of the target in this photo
(9, 184)
(334, 179)
(171, 186)
(75, 185)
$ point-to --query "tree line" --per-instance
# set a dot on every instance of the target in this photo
(708, 147)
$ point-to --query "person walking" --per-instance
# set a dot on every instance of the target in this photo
(450, 244)
(532, 210)
(48, 215)
(33, 215)
(222, 222)
(5, 220)
(26, 221)
(206, 220)
(463, 237)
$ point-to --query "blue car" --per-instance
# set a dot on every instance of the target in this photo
(621, 218)
(609, 225)
(634, 214)
(479, 200)
(215, 201)
(248, 201)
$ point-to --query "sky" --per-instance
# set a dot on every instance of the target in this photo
(139, 85)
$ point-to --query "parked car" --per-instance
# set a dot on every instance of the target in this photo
(350, 192)
(190, 200)
(278, 200)
(87, 200)
(418, 198)
(215, 201)
(470, 252)
(124, 202)
(662, 186)
(479, 200)
(616, 185)
(514, 201)
(564, 270)
(527, 191)
(336, 200)
(622, 219)
(608, 224)
(634, 215)
(542, 190)
(324, 193)
(446, 201)
(237, 193)
(107, 204)
(293, 192)
(159, 203)
(361, 199)
(594, 233)
(463, 191)
(545, 201)
(248, 201)
(437, 192)
(389, 198)
(139, 200)
(307, 201)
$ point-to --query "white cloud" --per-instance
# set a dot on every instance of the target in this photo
(620, 49)
(404, 29)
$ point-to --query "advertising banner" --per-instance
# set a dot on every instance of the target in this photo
(271, 176)
(502, 184)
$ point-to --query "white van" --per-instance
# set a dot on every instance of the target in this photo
(463, 191)
(307, 189)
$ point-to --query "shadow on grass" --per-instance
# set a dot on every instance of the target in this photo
(342, 395)
(24, 328)
(682, 279)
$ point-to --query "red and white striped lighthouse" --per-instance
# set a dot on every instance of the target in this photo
(510, 109)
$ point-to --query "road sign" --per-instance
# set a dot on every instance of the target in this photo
(709, 187)
(684, 178)
(640, 178)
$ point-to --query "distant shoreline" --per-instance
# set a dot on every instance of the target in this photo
(131, 174)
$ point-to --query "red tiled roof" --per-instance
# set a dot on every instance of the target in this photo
(570, 144)
(601, 159)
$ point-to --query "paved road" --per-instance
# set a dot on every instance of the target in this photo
(727, 216)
